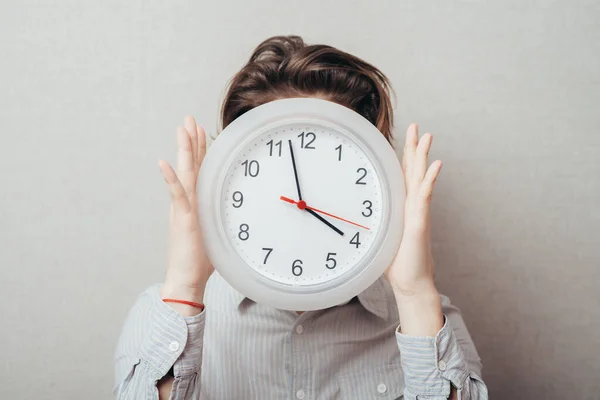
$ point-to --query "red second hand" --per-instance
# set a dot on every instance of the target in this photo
(302, 205)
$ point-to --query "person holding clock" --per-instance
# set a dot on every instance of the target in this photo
(399, 338)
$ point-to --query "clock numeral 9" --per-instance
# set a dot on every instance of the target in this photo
(244, 234)
(360, 180)
(238, 199)
(251, 168)
(330, 258)
(297, 267)
(369, 211)
(310, 137)
(271, 145)
(268, 250)
(355, 239)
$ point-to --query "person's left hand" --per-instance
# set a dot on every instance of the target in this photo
(411, 272)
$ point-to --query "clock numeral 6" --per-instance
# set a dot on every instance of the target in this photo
(360, 180)
(251, 168)
(330, 258)
(310, 137)
(238, 199)
(268, 250)
(297, 267)
(369, 211)
(355, 239)
(244, 234)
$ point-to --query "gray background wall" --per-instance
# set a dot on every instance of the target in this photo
(91, 93)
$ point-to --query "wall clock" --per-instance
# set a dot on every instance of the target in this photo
(301, 204)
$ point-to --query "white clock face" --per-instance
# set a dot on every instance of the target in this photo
(309, 237)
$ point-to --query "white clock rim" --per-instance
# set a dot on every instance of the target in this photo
(228, 263)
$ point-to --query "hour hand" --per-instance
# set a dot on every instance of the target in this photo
(302, 206)
(323, 220)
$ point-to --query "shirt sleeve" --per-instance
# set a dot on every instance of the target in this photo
(155, 338)
(432, 365)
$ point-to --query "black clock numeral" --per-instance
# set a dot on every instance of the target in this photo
(268, 250)
(251, 168)
(238, 199)
(271, 145)
(297, 267)
(310, 137)
(339, 149)
(355, 239)
(360, 181)
(330, 258)
(369, 211)
(244, 233)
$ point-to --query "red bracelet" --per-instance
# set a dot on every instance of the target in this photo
(189, 303)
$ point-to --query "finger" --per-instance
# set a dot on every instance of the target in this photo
(185, 161)
(410, 145)
(190, 127)
(179, 197)
(201, 144)
(420, 164)
(430, 178)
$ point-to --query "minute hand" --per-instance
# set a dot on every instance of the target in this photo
(295, 170)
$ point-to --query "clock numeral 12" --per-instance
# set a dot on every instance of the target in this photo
(297, 267)
(355, 239)
(251, 168)
(271, 145)
(310, 137)
(330, 258)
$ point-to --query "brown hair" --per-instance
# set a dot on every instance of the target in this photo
(284, 66)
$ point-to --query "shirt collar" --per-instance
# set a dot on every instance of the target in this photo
(376, 298)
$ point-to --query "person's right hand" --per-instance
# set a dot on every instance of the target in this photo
(188, 267)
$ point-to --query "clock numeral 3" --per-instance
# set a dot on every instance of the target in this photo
(355, 239)
(297, 267)
(310, 137)
(244, 233)
(271, 145)
(330, 258)
(251, 168)
(369, 211)
(268, 250)
(238, 198)
(360, 180)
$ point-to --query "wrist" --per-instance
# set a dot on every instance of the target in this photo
(176, 289)
(170, 290)
(420, 313)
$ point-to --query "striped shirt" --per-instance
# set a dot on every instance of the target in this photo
(238, 349)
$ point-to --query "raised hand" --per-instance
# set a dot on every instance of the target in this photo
(411, 274)
(188, 267)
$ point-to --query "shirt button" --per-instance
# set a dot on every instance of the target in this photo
(299, 329)
(442, 365)
(173, 346)
(381, 388)
(300, 394)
